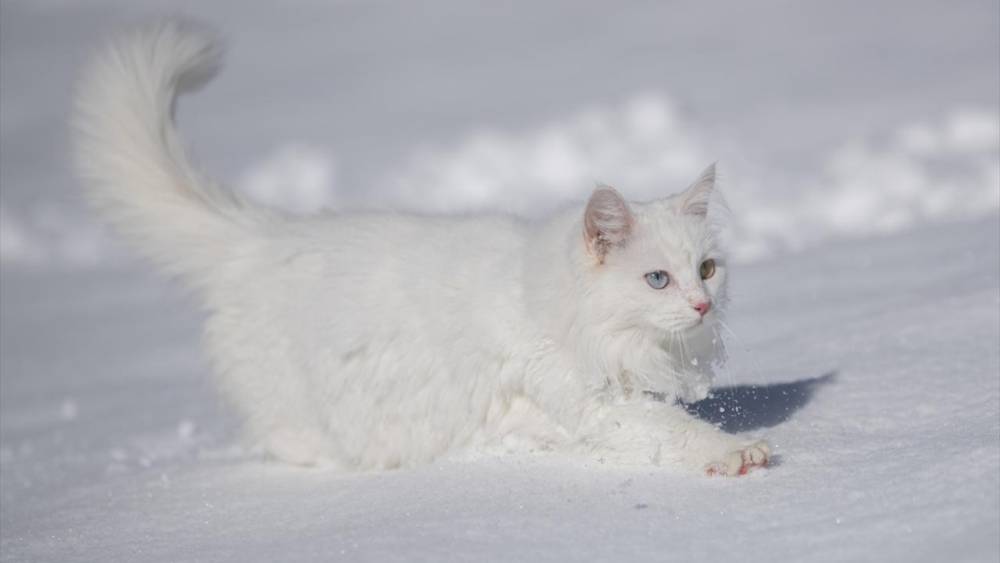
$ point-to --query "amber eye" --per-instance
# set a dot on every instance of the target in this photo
(707, 269)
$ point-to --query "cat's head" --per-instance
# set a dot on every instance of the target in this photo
(657, 267)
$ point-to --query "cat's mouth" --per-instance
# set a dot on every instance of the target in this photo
(699, 323)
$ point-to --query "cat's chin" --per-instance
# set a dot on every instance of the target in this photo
(693, 328)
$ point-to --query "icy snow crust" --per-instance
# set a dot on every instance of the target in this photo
(876, 365)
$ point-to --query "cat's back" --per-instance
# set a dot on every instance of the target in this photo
(432, 248)
(372, 274)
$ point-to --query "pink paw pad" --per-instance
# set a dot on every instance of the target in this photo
(740, 462)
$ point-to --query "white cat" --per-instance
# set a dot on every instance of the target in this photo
(382, 340)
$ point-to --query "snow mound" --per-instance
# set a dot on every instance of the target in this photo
(644, 146)
(923, 172)
(295, 177)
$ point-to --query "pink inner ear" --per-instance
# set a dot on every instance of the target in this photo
(607, 220)
(697, 207)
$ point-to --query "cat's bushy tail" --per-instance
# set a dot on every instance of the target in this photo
(128, 151)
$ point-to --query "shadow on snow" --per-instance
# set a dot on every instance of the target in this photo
(744, 408)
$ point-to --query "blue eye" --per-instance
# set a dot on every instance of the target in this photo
(658, 279)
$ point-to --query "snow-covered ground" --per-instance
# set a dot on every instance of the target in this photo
(860, 145)
(877, 363)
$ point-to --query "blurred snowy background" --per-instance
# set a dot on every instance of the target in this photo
(828, 120)
(859, 146)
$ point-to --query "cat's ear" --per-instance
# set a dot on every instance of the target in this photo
(695, 199)
(607, 221)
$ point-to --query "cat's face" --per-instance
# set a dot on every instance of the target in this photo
(657, 266)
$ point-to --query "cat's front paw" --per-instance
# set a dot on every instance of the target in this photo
(741, 461)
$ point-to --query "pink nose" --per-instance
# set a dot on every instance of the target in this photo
(702, 307)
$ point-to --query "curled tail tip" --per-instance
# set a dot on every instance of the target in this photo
(135, 76)
(127, 87)
(196, 48)
(184, 52)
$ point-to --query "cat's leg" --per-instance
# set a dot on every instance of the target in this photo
(298, 445)
(279, 413)
(638, 431)
(285, 428)
(665, 434)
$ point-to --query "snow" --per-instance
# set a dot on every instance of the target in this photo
(860, 155)
(876, 375)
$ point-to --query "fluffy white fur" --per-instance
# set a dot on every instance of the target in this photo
(382, 340)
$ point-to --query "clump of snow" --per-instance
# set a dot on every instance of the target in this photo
(186, 429)
(644, 145)
(49, 234)
(69, 410)
(921, 173)
(16, 244)
(294, 177)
